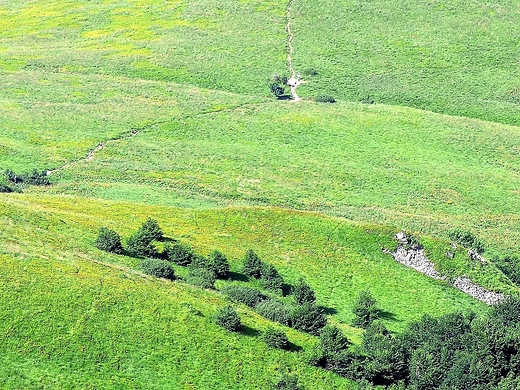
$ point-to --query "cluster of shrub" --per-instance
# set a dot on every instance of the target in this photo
(455, 351)
(203, 271)
(467, 239)
(13, 182)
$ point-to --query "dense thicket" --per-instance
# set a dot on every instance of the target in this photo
(158, 268)
(456, 351)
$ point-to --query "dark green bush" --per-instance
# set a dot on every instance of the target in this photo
(287, 382)
(365, 309)
(252, 265)
(220, 264)
(13, 177)
(179, 254)
(201, 277)
(303, 293)
(151, 230)
(5, 189)
(308, 318)
(109, 241)
(467, 239)
(325, 99)
(158, 268)
(228, 318)
(36, 178)
(310, 72)
(246, 295)
(332, 341)
(270, 278)
(275, 310)
(141, 245)
(510, 266)
(275, 338)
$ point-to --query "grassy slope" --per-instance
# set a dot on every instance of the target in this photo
(74, 324)
(193, 77)
(404, 167)
(338, 257)
(458, 57)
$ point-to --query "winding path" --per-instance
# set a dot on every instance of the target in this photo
(101, 145)
(293, 81)
(291, 36)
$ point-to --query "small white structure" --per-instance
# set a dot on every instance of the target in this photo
(294, 82)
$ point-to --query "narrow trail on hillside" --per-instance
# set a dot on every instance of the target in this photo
(136, 131)
(294, 81)
(102, 145)
(291, 36)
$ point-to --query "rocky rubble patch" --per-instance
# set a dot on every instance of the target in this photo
(413, 256)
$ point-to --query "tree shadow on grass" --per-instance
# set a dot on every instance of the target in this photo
(284, 97)
(247, 331)
(169, 239)
(291, 347)
(238, 277)
(131, 254)
(386, 315)
(328, 310)
(287, 289)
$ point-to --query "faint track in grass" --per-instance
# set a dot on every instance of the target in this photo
(291, 36)
(136, 131)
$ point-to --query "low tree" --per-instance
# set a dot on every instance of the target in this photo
(252, 265)
(5, 189)
(151, 229)
(248, 296)
(270, 278)
(386, 361)
(179, 254)
(365, 309)
(228, 318)
(303, 293)
(201, 277)
(308, 318)
(158, 268)
(275, 310)
(109, 241)
(36, 178)
(141, 245)
(332, 341)
(275, 338)
(277, 85)
(220, 264)
(12, 176)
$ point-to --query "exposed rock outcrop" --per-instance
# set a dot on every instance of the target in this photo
(416, 259)
(413, 256)
(465, 284)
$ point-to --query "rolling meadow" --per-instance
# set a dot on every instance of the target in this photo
(162, 109)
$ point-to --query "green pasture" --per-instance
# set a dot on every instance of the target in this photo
(177, 93)
(226, 45)
(456, 57)
(75, 324)
(51, 119)
(394, 166)
(338, 258)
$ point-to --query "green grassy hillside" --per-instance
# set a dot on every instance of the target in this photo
(76, 316)
(174, 97)
(458, 57)
(398, 166)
